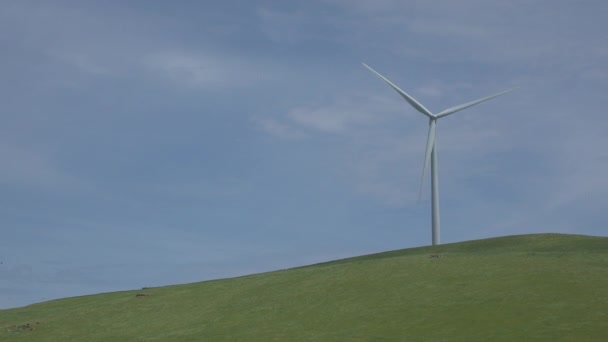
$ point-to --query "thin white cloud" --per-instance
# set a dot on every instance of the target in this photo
(328, 119)
(279, 129)
(345, 114)
(83, 62)
(209, 70)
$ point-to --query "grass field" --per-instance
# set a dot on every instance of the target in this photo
(545, 287)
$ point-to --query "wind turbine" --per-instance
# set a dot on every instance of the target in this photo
(431, 146)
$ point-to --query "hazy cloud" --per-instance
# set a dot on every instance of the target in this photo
(210, 71)
(278, 129)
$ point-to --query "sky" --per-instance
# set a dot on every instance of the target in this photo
(148, 143)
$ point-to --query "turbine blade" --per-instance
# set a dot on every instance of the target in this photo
(430, 144)
(417, 105)
(470, 104)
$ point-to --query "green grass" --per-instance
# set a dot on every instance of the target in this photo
(547, 287)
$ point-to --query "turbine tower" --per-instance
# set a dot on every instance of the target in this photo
(431, 146)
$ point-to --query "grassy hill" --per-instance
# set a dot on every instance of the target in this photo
(530, 287)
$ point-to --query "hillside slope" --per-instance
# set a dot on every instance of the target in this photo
(529, 287)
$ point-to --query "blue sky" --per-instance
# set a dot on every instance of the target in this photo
(147, 143)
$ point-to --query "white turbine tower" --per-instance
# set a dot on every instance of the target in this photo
(431, 148)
